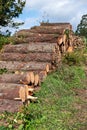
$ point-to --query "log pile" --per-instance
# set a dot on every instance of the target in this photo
(37, 51)
(77, 42)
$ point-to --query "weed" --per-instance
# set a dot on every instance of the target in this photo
(3, 71)
(74, 58)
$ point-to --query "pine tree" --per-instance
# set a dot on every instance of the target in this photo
(82, 27)
(10, 9)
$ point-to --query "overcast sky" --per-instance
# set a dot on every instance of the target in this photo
(36, 11)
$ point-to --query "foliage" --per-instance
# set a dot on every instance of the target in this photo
(67, 32)
(7, 40)
(3, 71)
(82, 26)
(85, 41)
(4, 40)
(74, 58)
(10, 9)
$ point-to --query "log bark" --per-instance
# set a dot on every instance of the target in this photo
(42, 75)
(31, 47)
(15, 78)
(40, 31)
(58, 25)
(38, 38)
(9, 91)
(13, 66)
(37, 35)
(10, 105)
(15, 91)
(40, 57)
(22, 77)
(47, 30)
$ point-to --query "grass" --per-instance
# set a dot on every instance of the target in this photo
(6, 40)
(3, 71)
(58, 104)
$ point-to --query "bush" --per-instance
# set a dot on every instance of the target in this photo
(85, 40)
(4, 40)
(74, 58)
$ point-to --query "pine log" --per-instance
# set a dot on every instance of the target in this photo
(10, 105)
(38, 38)
(41, 30)
(9, 91)
(15, 78)
(15, 91)
(60, 40)
(22, 77)
(45, 30)
(36, 80)
(41, 57)
(43, 33)
(31, 47)
(42, 75)
(32, 77)
(70, 49)
(27, 79)
(37, 35)
(13, 66)
(58, 25)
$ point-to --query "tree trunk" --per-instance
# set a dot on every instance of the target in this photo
(9, 91)
(15, 91)
(58, 25)
(38, 38)
(40, 57)
(42, 75)
(40, 32)
(10, 105)
(23, 77)
(14, 78)
(31, 47)
(47, 30)
(13, 66)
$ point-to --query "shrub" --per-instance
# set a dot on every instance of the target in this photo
(74, 58)
(4, 40)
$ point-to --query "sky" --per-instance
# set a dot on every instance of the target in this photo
(36, 11)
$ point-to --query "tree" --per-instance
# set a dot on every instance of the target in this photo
(10, 9)
(82, 27)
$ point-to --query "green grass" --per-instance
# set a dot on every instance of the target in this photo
(3, 71)
(56, 107)
(6, 40)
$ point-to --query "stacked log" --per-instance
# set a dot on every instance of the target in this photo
(31, 47)
(37, 51)
(77, 42)
(17, 88)
(59, 25)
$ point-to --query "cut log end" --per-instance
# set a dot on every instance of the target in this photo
(47, 68)
(36, 82)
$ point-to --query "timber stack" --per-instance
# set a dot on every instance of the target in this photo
(36, 52)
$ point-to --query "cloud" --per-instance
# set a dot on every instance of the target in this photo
(59, 11)
(36, 11)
